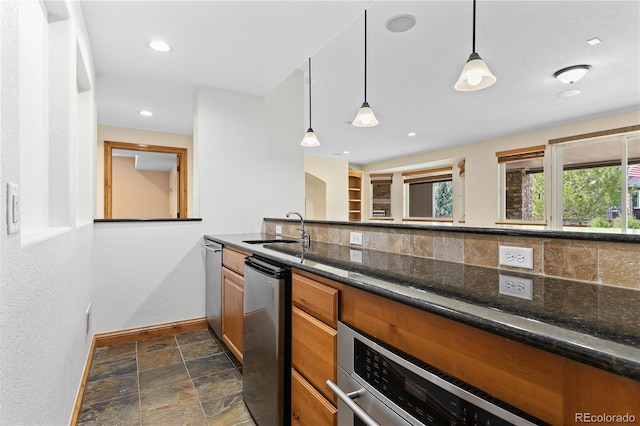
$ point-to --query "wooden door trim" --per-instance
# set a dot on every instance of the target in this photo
(108, 172)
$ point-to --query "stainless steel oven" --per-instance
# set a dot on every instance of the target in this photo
(379, 385)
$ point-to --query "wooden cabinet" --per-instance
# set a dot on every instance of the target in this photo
(314, 320)
(355, 195)
(546, 385)
(232, 300)
(308, 407)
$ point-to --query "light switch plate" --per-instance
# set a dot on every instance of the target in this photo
(355, 255)
(278, 229)
(13, 208)
(355, 238)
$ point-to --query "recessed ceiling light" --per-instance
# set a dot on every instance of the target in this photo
(345, 152)
(594, 41)
(568, 93)
(401, 23)
(411, 134)
(145, 113)
(160, 46)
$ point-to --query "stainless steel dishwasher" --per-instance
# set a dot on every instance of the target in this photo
(213, 288)
(266, 377)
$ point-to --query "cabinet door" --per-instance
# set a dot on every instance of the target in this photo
(313, 350)
(308, 406)
(232, 304)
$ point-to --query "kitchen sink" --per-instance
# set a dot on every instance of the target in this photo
(270, 241)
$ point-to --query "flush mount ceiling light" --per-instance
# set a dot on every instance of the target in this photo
(310, 139)
(401, 23)
(145, 113)
(594, 41)
(475, 74)
(365, 116)
(571, 74)
(160, 46)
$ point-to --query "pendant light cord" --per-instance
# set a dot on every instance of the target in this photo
(310, 93)
(365, 55)
(474, 27)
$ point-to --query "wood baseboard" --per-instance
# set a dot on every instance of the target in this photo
(128, 336)
(77, 406)
(141, 333)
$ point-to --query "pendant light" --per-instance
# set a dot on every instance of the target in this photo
(310, 139)
(475, 74)
(365, 116)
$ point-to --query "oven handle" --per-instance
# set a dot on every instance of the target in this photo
(348, 398)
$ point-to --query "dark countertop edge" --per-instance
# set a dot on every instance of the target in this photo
(515, 232)
(186, 219)
(575, 351)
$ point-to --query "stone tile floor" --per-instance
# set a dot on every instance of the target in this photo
(185, 379)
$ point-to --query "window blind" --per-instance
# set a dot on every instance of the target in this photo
(521, 154)
(440, 174)
(381, 177)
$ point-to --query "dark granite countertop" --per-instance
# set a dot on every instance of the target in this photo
(606, 234)
(595, 324)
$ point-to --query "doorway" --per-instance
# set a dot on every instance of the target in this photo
(144, 181)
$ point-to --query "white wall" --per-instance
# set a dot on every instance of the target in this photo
(152, 273)
(249, 159)
(45, 269)
(334, 172)
(481, 175)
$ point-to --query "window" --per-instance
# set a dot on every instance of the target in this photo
(429, 194)
(381, 195)
(597, 180)
(522, 185)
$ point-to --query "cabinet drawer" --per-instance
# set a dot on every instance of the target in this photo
(318, 299)
(308, 406)
(313, 350)
(233, 260)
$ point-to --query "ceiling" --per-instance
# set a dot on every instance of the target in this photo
(252, 46)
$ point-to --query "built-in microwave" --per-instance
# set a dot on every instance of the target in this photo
(380, 385)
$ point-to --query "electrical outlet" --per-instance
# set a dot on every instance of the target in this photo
(355, 255)
(355, 238)
(520, 257)
(516, 286)
(278, 229)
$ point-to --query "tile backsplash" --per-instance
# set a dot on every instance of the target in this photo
(602, 262)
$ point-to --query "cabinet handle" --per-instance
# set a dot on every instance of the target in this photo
(296, 415)
(348, 398)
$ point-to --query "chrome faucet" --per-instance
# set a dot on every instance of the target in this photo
(305, 238)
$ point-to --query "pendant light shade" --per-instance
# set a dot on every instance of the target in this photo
(365, 116)
(310, 139)
(475, 74)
